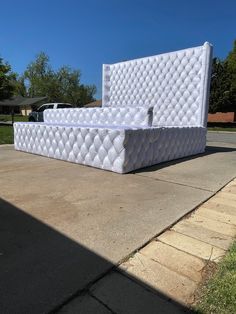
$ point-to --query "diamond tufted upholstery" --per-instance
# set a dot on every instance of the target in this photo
(120, 149)
(154, 110)
(139, 116)
(175, 84)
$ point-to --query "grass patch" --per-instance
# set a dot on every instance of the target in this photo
(219, 294)
(17, 118)
(6, 134)
(221, 129)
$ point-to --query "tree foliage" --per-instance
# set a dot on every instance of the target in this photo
(223, 84)
(18, 83)
(62, 85)
(38, 76)
(231, 64)
(6, 80)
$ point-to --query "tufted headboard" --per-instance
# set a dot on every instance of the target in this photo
(175, 84)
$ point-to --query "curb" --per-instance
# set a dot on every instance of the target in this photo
(223, 132)
(6, 145)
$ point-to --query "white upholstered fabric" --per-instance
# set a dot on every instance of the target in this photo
(175, 84)
(123, 135)
(112, 148)
(139, 116)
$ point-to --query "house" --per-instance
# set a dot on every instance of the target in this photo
(222, 117)
(97, 103)
(20, 105)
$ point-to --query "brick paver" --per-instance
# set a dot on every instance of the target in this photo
(198, 232)
(214, 214)
(160, 277)
(180, 262)
(192, 246)
(172, 265)
(214, 225)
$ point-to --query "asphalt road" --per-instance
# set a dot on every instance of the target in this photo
(224, 137)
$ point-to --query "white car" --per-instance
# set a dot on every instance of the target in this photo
(37, 115)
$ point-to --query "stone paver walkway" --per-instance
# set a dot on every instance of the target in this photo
(164, 275)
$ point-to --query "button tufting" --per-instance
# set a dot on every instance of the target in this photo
(118, 137)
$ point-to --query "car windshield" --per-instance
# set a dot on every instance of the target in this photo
(64, 106)
(44, 107)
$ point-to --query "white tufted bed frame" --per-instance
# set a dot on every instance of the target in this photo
(154, 110)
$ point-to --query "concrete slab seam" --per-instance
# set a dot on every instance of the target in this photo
(101, 302)
(172, 182)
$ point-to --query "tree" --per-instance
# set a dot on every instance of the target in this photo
(69, 82)
(220, 98)
(19, 85)
(40, 77)
(72, 91)
(6, 84)
(223, 84)
(231, 59)
(59, 86)
(86, 94)
(231, 68)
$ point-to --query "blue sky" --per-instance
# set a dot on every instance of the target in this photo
(85, 34)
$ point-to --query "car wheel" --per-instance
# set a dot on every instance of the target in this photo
(31, 119)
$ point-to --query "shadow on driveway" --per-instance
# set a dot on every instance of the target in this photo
(209, 151)
(41, 269)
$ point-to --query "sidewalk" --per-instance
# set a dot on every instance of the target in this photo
(173, 264)
(5, 123)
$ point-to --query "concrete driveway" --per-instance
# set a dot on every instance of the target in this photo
(63, 225)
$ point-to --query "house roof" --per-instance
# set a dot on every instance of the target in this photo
(21, 101)
(32, 101)
(97, 103)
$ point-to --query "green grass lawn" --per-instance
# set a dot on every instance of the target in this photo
(221, 129)
(219, 295)
(6, 131)
(6, 134)
(4, 118)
